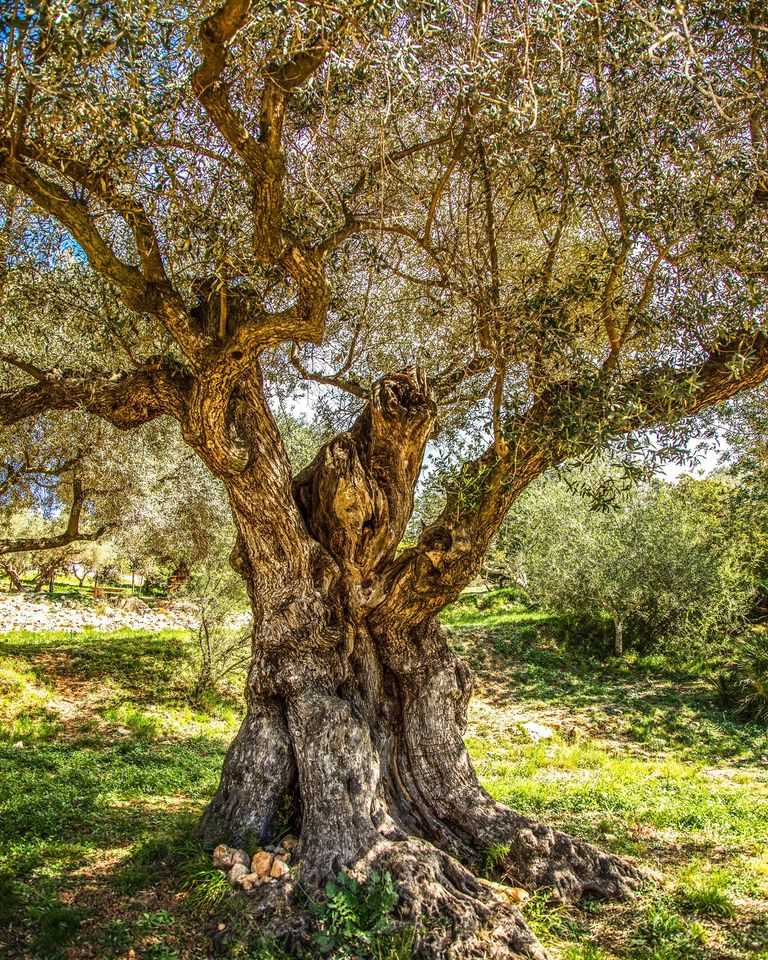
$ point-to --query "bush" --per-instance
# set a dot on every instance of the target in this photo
(223, 646)
(663, 564)
(588, 634)
(496, 600)
(743, 683)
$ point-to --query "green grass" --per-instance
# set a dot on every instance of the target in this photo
(104, 768)
(115, 792)
(642, 761)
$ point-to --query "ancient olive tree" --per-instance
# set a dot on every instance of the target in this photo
(535, 225)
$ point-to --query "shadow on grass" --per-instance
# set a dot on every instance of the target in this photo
(144, 662)
(94, 824)
(84, 826)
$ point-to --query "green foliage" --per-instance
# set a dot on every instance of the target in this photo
(222, 645)
(157, 854)
(659, 563)
(205, 886)
(55, 925)
(498, 600)
(137, 720)
(550, 920)
(159, 951)
(705, 892)
(585, 951)
(663, 934)
(493, 857)
(355, 918)
(743, 682)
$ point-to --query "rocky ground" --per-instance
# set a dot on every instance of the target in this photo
(38, 612)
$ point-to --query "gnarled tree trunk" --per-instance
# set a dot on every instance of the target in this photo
(357, 706)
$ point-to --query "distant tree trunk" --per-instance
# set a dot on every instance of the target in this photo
(356, 706)
(45, 577)
(178, 577)
(14, 580)
(618, 637)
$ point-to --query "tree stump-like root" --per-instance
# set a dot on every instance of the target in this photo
(540, 856)
(457, 915)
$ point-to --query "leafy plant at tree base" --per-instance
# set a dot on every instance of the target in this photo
(355, 918)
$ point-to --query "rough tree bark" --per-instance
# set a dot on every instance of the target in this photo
(356, 705)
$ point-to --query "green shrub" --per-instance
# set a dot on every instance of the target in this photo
(743, 683)
(355, 920)
(589, 634)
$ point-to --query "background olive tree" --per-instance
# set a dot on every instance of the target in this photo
(660, 561)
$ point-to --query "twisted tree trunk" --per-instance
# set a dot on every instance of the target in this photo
(357, 706)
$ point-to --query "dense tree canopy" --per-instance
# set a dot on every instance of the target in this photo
(530, 227)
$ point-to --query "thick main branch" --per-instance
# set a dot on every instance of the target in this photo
(449, 552)
(125, 399)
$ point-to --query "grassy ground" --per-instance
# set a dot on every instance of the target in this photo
(104, 766)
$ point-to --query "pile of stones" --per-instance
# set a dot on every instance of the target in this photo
(265, 866)
(23, 611)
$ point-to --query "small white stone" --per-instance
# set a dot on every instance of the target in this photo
(537, 731)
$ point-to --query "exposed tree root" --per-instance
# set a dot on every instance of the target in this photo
(540, 856)
(458, 917)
